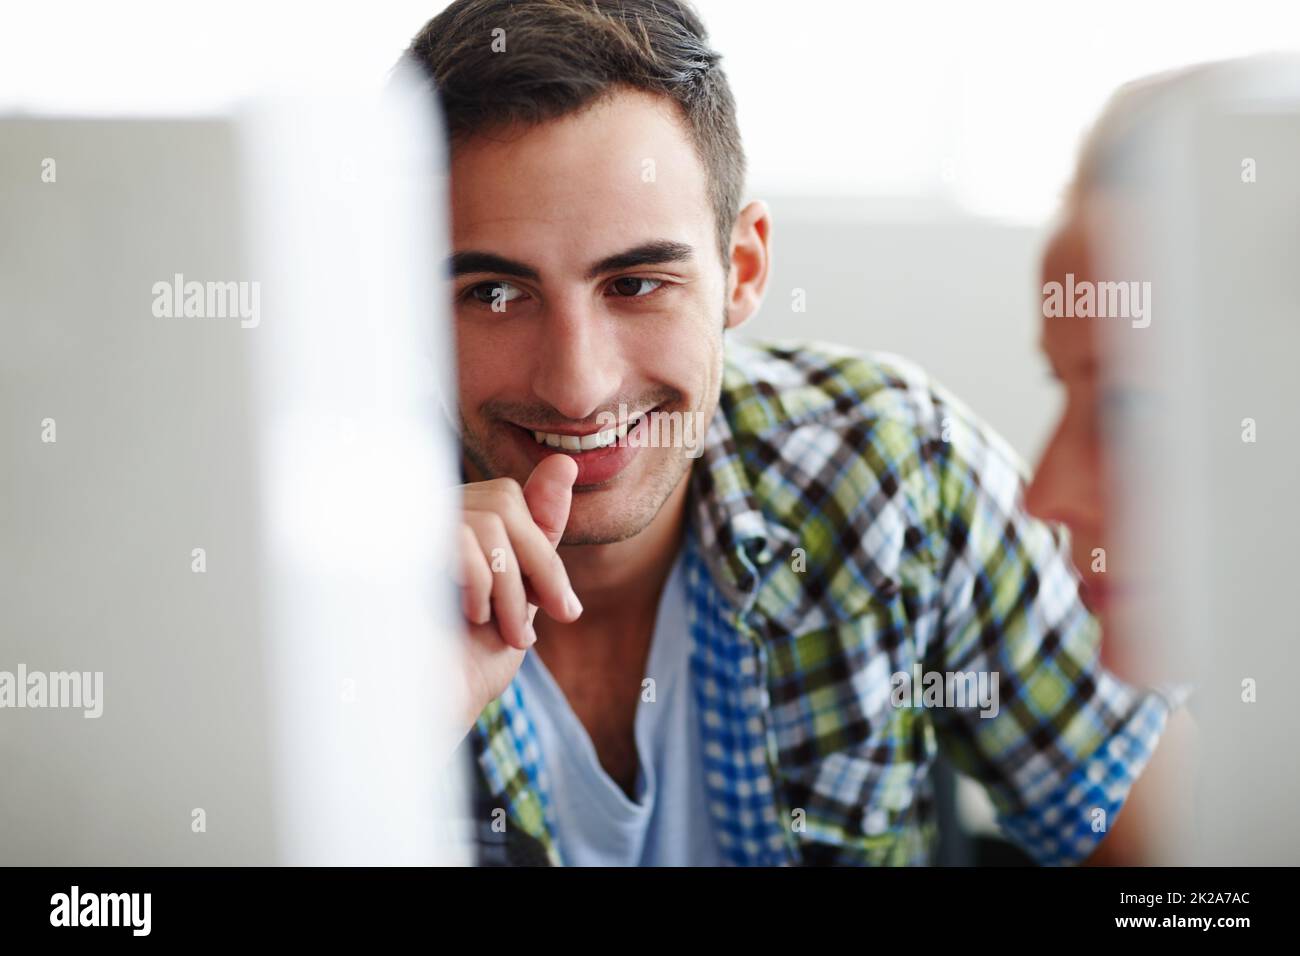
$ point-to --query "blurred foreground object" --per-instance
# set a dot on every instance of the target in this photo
(1201, 178)
(226, 498)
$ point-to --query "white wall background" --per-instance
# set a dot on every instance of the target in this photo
(951, 291)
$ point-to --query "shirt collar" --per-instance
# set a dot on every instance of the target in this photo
(738, 542)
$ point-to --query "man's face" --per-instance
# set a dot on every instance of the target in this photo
(1069, 484)
(1109, 398)
(1075, 482)
(596, 234)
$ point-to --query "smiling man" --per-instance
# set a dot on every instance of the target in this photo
(686, 655)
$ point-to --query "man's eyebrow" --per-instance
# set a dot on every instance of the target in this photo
(646, 254)
(472, 261)
(653, 252)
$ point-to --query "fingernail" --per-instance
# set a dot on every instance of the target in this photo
(530, 636)
(572, 604)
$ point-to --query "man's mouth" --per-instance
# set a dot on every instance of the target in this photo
(601, 453)
(591, 441)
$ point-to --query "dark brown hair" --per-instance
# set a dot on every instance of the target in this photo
(563, 55)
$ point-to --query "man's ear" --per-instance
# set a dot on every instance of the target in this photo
(750, 258)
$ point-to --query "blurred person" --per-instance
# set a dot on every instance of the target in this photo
(1076, 481)
(751, 642)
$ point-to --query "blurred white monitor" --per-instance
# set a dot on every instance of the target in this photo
(1210, 463)
(227, 489)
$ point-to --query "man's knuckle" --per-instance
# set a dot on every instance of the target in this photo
(494, 524)
(507, 489)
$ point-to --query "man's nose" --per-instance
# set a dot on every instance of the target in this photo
(1065, 487)
(579, 367)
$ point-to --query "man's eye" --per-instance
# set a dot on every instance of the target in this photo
(634, 286)
(490, 293)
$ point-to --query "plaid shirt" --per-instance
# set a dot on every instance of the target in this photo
(849, 520)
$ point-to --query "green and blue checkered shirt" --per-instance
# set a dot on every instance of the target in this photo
(850, 520)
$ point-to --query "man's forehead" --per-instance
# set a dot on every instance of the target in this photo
(625, 161)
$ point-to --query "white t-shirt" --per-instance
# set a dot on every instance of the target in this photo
(668, 824)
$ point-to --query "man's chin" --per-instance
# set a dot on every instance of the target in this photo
(620, 509)
(598, 516)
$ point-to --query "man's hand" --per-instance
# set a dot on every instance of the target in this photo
(508, 569)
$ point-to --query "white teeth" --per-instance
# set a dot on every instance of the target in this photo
(587, 442)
